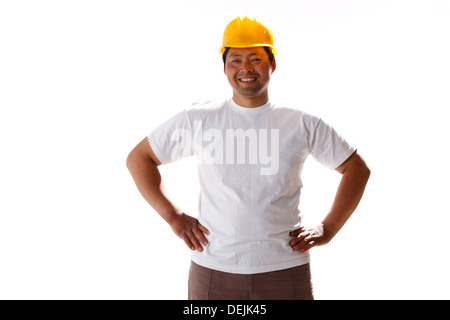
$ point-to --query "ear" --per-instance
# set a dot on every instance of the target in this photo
(274, 65)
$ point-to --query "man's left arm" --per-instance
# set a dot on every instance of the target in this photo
(355, 174)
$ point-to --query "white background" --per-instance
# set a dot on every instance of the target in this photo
(82, 82)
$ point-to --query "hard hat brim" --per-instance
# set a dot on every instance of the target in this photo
(222, 49)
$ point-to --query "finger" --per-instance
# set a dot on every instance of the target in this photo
(188, 242)
(298, 238)
(300, 244)
(195, 242)
(296, 231)
(294, 241)
(308, 246)
(203, 229)
(200, 236)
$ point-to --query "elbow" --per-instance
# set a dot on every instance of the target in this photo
(365, 172)
(130, 160)
(363, 168)
(368, 172)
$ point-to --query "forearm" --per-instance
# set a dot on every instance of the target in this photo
(143, 166)
(348, 196)
(355, 175)
(148, 180)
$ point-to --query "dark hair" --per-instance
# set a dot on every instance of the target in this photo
(267, 49)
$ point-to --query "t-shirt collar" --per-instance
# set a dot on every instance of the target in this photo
(269, 105)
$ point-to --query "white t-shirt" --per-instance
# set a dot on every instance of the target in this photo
(249, 164)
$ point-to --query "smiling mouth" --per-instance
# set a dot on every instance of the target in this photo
(247, 80)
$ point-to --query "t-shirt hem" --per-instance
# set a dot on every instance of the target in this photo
(342, 158)
(254, 269)
(156, 150)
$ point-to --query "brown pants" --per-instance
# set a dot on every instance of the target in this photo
(289, 284)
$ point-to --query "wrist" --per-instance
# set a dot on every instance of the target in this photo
(172, 216)
(329, 231)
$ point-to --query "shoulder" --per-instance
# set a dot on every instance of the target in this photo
(296, 115)
(205, 111)
(210, 106)
(201, 110)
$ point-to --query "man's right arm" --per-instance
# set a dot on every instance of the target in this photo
(143, 166)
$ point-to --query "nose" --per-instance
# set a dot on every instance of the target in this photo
(247, 67)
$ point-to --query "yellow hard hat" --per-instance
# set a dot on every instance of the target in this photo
(245, 32)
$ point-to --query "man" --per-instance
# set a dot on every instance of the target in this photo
(248, 242)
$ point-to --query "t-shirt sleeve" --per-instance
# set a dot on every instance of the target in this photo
(172, 140)
(326, 145)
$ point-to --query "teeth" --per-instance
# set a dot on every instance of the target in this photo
(247, 79)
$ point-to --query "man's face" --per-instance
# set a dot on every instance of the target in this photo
(249, 70)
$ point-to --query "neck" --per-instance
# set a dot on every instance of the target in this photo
(251, 102)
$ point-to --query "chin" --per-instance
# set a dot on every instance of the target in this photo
(249, 93)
